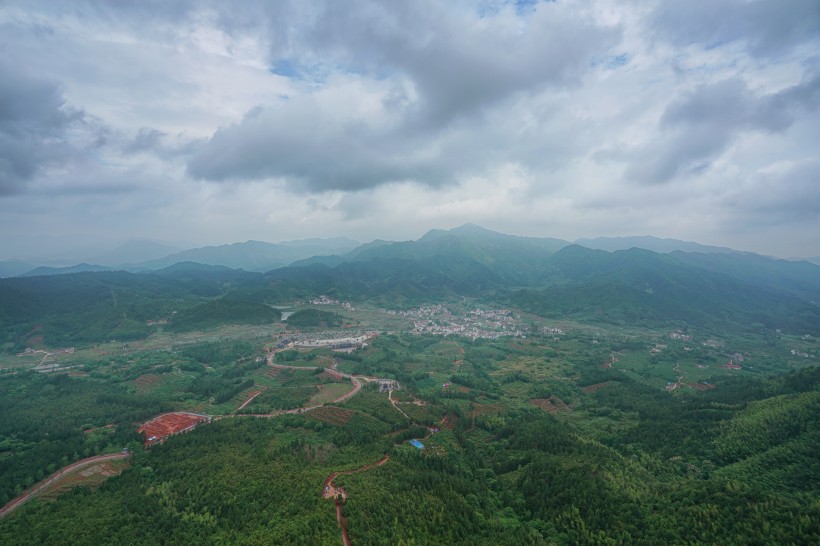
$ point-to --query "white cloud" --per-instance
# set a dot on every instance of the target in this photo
(203, 122)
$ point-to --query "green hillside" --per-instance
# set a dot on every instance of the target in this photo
(684, 470)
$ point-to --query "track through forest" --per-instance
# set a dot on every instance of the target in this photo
(47, 482)
(339, 495)
(329, 491)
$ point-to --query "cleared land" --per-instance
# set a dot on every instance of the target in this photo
(57, 480)
(159, 428)
(553, 404)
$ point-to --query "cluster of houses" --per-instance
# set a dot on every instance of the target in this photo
(324, 300)
(492, 324)
(30, 351)
(330, 340)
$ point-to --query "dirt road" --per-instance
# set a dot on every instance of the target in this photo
(250, 399)
(46, 483)
(395, 404)
(340, 495)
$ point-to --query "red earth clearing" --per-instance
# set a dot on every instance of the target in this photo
(159, 428)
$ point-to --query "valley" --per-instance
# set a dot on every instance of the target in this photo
(491, 418)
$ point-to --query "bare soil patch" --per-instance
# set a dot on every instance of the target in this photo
(91, 477)
(159, 428)
(251, 395)
(448, 422)
(332, 415)
(553, 404)
(596, 387)
(481, 409)
(145, 383)
(700, 386)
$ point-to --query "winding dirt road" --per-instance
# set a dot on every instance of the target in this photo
(356, 381)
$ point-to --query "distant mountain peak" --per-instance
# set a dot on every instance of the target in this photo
(43, 271)
(648, 242)
(472, 228)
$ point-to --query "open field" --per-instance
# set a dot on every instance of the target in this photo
(332, 415)
(528, 398)
(329, 392)
(71, 476)
(91, 477)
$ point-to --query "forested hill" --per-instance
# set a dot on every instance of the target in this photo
(251, 255)
(623, 463)
(625, 286)
(545, 276)
(61, 310)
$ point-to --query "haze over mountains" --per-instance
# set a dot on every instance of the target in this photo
(142, 255)
(138, 256)
(548, 277)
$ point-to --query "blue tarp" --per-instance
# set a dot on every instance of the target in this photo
(416, 443)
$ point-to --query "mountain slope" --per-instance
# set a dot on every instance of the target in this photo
(655, 244)
(512, 259)
(251, 255)
(79, 268)
(638, 286)
(12, 268)
(133, 252)
(800, 278)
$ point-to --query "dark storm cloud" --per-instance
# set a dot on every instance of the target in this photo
(440, 71)
(698, 127)
(767, 27)
(33, 122)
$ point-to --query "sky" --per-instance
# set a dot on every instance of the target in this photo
(196, 123)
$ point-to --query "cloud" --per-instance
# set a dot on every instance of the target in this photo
(766, 27)
(344, 139)
(459, 61)
(416, 80)
(146, 139)
(278, 120)
(787, 193)
(33, 125)
(699, 126)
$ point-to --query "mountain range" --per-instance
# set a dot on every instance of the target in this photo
(482, 245)
(716, 291)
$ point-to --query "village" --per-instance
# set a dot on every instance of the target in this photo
(477, 323)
